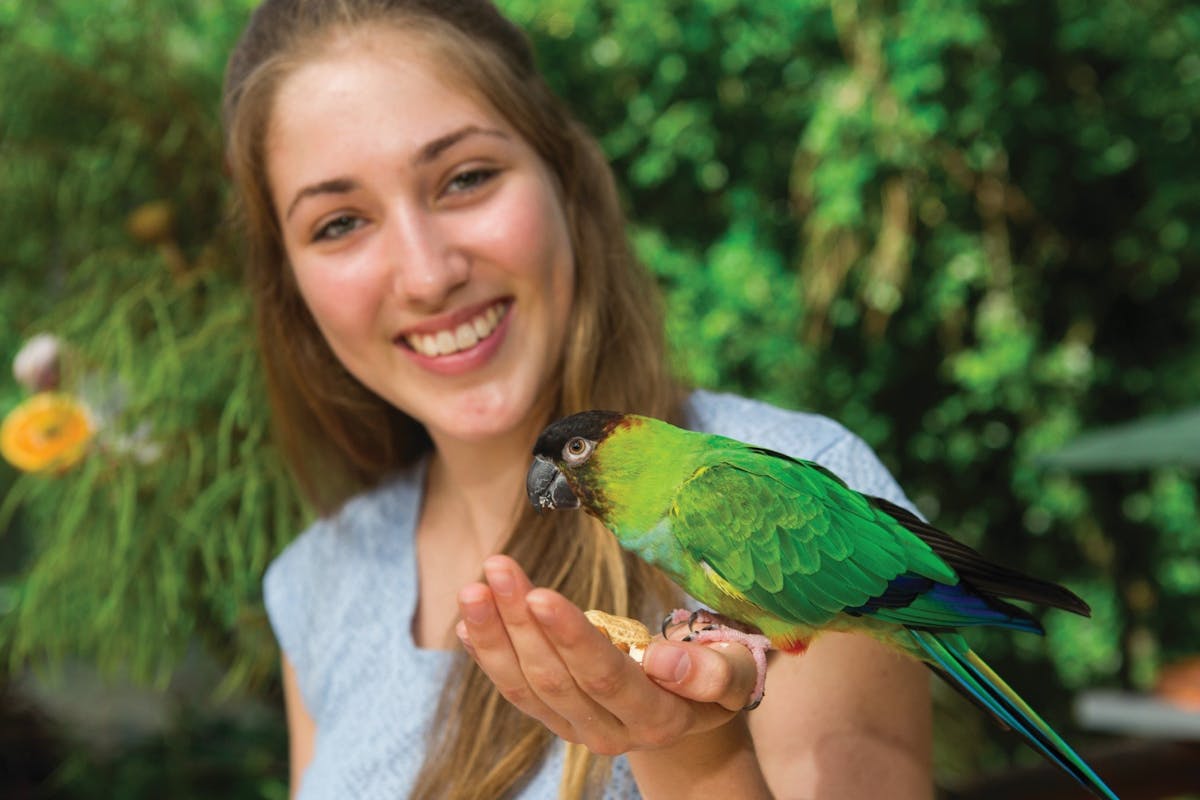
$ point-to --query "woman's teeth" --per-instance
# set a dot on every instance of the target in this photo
(466, 335)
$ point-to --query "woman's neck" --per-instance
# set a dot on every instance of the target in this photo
(481, 484)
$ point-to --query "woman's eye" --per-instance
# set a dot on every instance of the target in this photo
(470, 179)
(336, 228)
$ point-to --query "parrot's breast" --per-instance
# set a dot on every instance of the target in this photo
(657, 546)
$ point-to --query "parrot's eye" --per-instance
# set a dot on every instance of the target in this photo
(576, 450)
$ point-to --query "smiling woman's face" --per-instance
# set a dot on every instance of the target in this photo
(427, 237)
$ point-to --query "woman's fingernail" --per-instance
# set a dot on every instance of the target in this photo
(475, 602)
(667, 662)
(477, 612)
(543, 611)
(501, 581)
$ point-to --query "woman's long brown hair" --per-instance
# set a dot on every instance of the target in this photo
(340, 438)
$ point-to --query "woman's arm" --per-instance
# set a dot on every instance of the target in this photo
(839, 722)
(302, 731)
(718, 763)
(842, 720)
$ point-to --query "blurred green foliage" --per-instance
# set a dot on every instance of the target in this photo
(967, 230)
(198, 759)
(110, 107)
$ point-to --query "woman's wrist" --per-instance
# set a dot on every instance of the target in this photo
(719, 760)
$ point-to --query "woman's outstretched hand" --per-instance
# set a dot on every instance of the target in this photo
(549, 661)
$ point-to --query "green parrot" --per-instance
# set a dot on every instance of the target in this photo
(783, 546)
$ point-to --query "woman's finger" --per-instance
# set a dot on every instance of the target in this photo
(607, 675)
(721, 673)
(483, 630)
(539, 659)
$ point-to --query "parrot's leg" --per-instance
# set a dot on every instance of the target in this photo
(717, 628)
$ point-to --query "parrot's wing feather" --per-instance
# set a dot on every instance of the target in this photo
(986, 576)
(793, 540)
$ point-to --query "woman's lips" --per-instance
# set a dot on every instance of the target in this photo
(451, 336)
(461, 342)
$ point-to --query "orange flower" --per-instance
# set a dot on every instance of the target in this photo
(48, 432)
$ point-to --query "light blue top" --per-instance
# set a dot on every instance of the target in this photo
(341, 600)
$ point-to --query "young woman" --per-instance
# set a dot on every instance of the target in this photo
(439, 267)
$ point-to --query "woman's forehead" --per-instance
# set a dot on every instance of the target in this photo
(379, 71)
(419, 47)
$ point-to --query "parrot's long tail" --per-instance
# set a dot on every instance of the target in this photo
(955, 660)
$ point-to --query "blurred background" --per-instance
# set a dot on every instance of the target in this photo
(967, 229)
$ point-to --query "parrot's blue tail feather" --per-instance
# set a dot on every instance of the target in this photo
(955, 660)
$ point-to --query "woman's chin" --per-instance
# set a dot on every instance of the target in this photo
(481, 424)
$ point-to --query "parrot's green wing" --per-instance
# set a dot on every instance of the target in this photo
(789, 537)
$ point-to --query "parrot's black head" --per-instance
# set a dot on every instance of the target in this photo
(563, 447)
(591, 426)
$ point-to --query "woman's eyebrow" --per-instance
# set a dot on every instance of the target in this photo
(427, 153)
(443, 143)
(332, 186)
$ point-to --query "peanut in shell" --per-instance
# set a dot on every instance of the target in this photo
(627, 635)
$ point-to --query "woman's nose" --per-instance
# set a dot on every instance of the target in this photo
(427, 263)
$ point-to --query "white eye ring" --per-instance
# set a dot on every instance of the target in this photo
(577, 449)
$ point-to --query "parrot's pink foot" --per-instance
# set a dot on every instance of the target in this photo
(717, 628)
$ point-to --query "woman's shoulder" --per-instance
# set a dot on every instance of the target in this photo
(328, 556)
(365, 524)
(322, 591)
(799, 434)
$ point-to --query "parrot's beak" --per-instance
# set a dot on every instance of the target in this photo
(548, 487)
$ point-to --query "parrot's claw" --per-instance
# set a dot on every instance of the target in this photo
(718, 628)
(682, 615)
